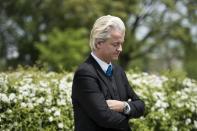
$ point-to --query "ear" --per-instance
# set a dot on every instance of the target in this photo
(98, 45)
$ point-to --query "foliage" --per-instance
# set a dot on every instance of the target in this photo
(171, 103)
(64, 50)
(38, 100)
(35, 100)
(159, 33)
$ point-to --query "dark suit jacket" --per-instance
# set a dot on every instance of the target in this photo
(90, 91)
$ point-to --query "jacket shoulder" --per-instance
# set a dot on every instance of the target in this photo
(85, 69)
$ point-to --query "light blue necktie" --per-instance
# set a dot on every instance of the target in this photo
(109, 71)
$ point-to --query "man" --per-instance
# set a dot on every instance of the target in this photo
(102, 97)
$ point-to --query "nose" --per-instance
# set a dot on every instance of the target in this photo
(120, 48)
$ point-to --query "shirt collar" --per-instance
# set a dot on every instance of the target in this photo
(102, 64)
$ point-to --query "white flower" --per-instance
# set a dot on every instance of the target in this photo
(55, 81)
(25, 93)
(23, 105)
(30, 105)
(188, 82)
(47, 110)
(50, 119)
(50, 74)
(9, 111)
(12, 96)
(57, 113)
(4, 98)
(180, 105)
(187, 105)
(161, 104)
(174, 128)
(63, 85)
(187, 121)
(193, 108)
(161, 110)
(43, 84)
(61, 102)
(40, 100)
(48, 101)
(159, 95)
(136, 82)
(20, 97)
(54, 108)
(48, 90)
(60, 125)
(32, 94)
(27, 80)
(178, 93)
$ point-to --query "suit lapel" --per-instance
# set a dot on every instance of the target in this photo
(101, 75)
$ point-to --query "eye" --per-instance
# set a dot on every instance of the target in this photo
(116, 44)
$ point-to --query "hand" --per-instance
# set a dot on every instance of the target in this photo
(115, 105)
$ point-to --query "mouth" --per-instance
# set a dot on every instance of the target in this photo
(117, 53)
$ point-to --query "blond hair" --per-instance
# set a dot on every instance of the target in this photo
(102, 28)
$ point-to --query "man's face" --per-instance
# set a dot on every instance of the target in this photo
(112, 47)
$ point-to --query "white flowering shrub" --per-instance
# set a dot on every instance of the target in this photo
(171, 103)
(36, 100)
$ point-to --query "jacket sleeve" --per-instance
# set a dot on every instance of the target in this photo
(87, 92)
(137, 106)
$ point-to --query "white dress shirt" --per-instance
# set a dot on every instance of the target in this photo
(102, 64)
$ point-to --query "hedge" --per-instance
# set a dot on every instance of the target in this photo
(39, 100)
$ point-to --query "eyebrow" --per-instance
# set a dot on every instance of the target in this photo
(117, 42)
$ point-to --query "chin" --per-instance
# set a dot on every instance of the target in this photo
(115, 58)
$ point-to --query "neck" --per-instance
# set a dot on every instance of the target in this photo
(101, 57)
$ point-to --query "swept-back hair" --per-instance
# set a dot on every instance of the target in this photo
(102, 28)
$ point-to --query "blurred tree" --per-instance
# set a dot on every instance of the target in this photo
(162, 31)
(158, 32)
(64, 49)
